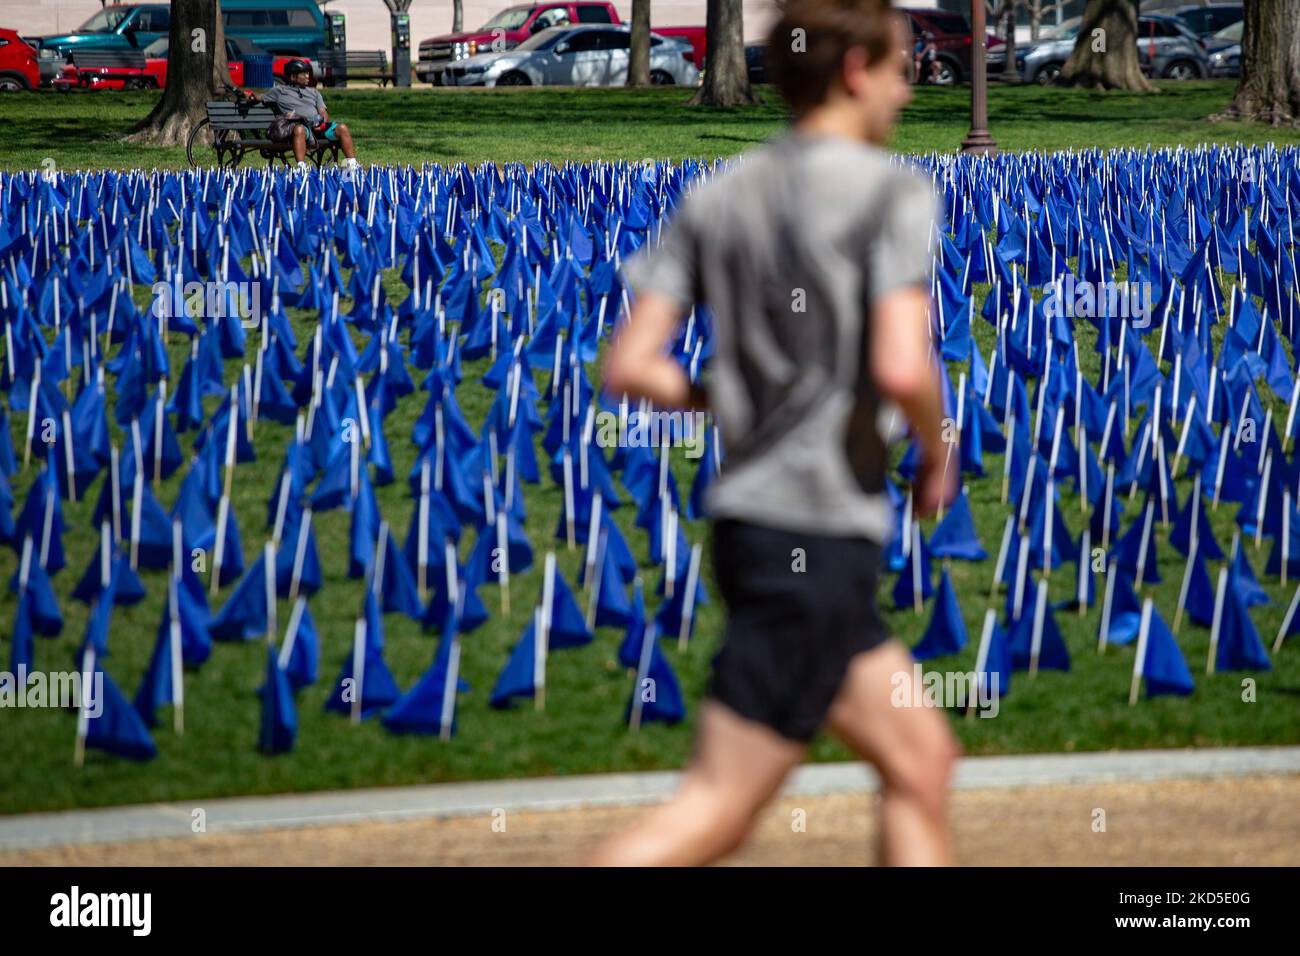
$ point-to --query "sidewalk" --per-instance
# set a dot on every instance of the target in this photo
(228, 816)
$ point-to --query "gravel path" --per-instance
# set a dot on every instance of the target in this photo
(1247, 821)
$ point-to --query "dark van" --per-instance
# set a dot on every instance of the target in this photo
(277, 26)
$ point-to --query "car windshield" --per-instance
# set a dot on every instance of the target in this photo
(1230, 33)
(1066, 31)
(509, 19)
(157, 48)
(543, 40)
(105, 21)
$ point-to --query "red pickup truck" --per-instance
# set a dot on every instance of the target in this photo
(514, 25)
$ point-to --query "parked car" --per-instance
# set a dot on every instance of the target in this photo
(1224, 49)
(154, 73)
(505, 31)
(512, 26)
(952, 41)
(278, 26)
(574, 56)
(119, 27)
(1207, 20)
(1166, 49)
(696, 37)
(18, 63)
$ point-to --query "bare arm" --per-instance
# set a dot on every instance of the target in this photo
(637, 364)
(903, 370)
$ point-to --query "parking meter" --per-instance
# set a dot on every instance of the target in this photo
(401, 49)
(336, 41)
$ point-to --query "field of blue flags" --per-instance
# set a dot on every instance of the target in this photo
(357, 420)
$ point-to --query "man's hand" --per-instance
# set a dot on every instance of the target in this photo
(636, 363)
(935, 485)
(904, 369)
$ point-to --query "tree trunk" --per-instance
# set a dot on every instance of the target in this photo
(196, 69)
(457, 16)
(1105, 54)
(1009, 72)
(638, 60)
(1035, 19)
(1269, 90)
(726, 78)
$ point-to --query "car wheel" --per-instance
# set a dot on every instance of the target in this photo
(514, 78)
(946, 75)
(661, 78)
(1047, 74)
(1182, 70)
(11, 84)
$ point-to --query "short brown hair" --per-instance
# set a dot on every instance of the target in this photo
(808, 41)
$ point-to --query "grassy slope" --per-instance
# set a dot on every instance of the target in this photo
(81, 130)
(580, 731)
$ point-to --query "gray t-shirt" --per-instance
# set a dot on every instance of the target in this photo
(305, 102)
(859, 226)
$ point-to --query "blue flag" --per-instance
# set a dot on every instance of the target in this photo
(946, 633)
(518, 677)
(1240, 647)
(116, 728)
(279, 724)
(955, 536)
(1163, 665)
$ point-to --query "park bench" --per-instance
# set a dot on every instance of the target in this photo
(238, 129)
(125, 65)
(341, 66)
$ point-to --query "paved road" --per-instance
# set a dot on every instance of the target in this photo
(1240, 821)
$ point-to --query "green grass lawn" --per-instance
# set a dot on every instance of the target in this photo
(581, 729)
(83, 130)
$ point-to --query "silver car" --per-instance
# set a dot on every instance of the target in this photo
(1225, 51)
(1166, 49)
(594, 55)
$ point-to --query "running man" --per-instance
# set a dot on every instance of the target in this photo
(814, 257)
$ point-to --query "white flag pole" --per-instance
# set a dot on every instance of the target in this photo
(1287, 621)
(503, 557)
(1106, 605)
(544, 626)
(688, 599)
(1219, 598)
(1139, 661)
(358, 666)
(178, 670)
(982, 658)
(1040, 615)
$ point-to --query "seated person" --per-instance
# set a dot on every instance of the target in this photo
(296, 99)
(927, 63)
(555, 17)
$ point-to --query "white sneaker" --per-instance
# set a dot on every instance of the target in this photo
(303, 169)
(351, 163)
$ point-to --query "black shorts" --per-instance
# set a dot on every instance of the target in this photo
(799, 608)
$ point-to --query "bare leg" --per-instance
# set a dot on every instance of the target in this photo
(737, 767)
(300, 143)
(345, 141)
(913, 748)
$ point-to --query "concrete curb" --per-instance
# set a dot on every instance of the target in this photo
(284, 811)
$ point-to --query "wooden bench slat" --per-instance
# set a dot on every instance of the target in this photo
(358, 64)
(225, 116)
